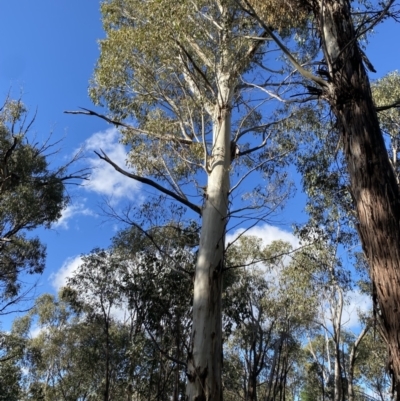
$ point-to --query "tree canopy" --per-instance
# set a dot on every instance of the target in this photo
(32, 195)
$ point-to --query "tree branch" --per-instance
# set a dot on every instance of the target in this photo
(388, 106)
(165, 353)
(152, 183)
(296, 64)
(378, 19)
(88, 112)
(261, 127)
(196, 67)
(252, 50)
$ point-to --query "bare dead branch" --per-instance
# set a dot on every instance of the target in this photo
(261, 127)
(168, 137)
(149, 182)
(296, 64)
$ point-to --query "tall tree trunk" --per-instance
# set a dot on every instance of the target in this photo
(255, 358)
(252, 368)
(269, 392)
(205, 353)
(178, 357)
(373, 184)
(337, 326)
(352, 361)
(107, 372)
(252, 387)
(338, 375)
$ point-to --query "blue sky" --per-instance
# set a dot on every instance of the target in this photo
(48, 49)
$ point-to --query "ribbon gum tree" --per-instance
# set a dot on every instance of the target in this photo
(170, 74)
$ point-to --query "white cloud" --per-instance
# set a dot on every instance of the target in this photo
(121, 312)
(35, 331)
(71, 211)
(104, 179)
(267, 233)
(59, 279)
(357, 302)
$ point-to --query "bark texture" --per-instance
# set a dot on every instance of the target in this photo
(373, 184)
(205, 355)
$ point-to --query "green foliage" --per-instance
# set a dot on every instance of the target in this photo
(269, 306)
(372, 365)
(11, 351)
(128, 308)
(160, 69)
(314, 388)
(325, 181)
(10, 376)
(66, 359)
(123, 315)
(31, 195)
(386, 91)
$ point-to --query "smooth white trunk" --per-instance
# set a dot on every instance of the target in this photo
(337, 326)
(205, 354)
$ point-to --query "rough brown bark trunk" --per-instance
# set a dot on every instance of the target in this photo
(373, 185)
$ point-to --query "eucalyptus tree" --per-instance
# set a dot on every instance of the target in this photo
(31, 195)
(335, 285)
(334, 288)
(332, 219)
(69, 356)
(371, 366)
(120, 327)
(171, 75)
(10, 370)
(316, 380)
(10, 375)
(342, 81)
(386, 91)
(354, 358)
(269, 307)
(156, 283)
(94, 287)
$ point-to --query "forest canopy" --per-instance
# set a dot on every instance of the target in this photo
(227, 112)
